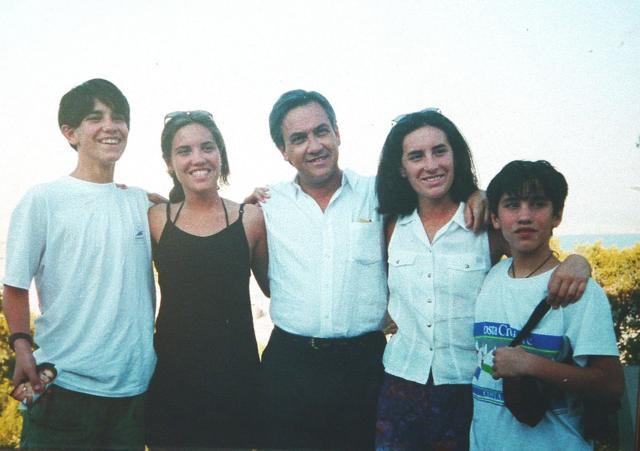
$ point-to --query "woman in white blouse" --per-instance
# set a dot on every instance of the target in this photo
(436, 268)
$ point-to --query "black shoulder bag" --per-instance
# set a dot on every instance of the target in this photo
(526, 397)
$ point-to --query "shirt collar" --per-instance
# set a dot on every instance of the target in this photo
(347, 180)
(457, 218)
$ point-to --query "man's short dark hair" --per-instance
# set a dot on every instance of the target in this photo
(76, 104)
(524, 179)
(395, 194)
(294, 99)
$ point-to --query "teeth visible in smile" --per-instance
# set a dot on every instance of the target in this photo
(200, 172)
(322, 157)
(110, 141)
(432, 178)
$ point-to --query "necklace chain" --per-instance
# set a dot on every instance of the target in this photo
(512, 268)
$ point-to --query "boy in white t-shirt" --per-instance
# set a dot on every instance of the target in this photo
(526, 201)
(86, 244)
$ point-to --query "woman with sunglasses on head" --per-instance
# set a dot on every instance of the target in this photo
(436, 269)
(204, 247)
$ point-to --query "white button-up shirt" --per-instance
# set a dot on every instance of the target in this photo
(326, 269)
(433, 289)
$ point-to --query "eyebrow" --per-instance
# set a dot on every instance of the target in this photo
(295, 135)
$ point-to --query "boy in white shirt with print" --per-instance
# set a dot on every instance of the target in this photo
(526, 201)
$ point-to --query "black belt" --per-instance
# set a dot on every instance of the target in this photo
(324, 343)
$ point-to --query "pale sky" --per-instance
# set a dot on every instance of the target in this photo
(526, 79)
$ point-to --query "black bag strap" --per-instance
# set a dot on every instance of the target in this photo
(541, 309)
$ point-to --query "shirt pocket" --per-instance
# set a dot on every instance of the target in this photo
(365, 242)
(402, 273)
(466, 273)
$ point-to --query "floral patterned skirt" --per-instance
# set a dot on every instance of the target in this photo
(414, 416)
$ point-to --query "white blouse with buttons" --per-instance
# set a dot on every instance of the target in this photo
(433, 289)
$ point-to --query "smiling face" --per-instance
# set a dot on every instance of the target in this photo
(46, 376)
(101, 137)
(311, 145)
(427, 163)
(526, 224)
(195, 158)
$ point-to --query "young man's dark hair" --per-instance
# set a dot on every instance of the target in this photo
(76, 104)
(524, 179)
(294, 99)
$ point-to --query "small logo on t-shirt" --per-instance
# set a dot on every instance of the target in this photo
(139, 235)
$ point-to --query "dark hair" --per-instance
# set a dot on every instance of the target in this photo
(526, 178)
(169, 131)
(47, 366)
(294, 99)
(76, 104)
(395, 194)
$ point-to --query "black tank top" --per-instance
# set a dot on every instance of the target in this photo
(205, 322)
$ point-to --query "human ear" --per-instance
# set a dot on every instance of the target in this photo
(403, 173)
(557, 219)
(70, 134)
(495, 221)
(284, 153)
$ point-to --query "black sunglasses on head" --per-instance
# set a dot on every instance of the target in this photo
(195, 114)
(426, 110)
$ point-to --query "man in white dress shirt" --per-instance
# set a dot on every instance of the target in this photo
(322, 367)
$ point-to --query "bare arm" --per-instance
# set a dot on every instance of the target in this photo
(390, 326)
(258, 196)
(16, 310)
(253, 220)
(157, 218)
(476, 213)
(601, 378)
(568, 281)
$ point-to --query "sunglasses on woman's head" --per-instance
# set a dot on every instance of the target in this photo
(426, 110)
(195, 114)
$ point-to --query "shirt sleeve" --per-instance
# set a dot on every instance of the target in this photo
(590, 325)
(26, 240)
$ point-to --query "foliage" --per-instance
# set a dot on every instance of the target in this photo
(10, 419)
(618, 272)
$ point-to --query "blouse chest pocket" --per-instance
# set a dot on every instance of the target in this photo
(402, 259)
(402, 272)
(365, 242)
(466, 273)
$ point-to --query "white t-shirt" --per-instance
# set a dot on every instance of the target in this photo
(502, 309)
(326, 269)
(87, 246)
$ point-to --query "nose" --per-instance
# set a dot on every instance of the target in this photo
(314, 144)
(524, 213)
(198, 156)
(107, 123)
(430, 163)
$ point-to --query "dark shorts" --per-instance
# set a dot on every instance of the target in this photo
(64, 419)
(414, 416)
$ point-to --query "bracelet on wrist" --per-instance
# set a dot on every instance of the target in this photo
(18, 336)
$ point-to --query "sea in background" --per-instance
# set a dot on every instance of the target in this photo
(568, 242)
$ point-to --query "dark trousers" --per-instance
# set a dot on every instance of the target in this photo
(321, 394)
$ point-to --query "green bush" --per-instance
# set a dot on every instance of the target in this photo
(10, 419)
